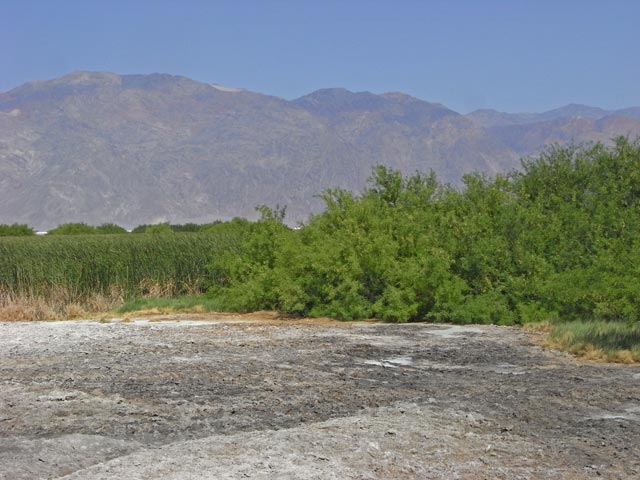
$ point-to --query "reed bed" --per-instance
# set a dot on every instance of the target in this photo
(51, 277)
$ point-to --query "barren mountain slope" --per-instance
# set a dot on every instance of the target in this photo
(131, 149)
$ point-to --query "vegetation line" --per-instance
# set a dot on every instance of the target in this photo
(557, 241)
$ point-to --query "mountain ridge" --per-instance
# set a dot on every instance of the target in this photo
(130, 149)
(492, 118)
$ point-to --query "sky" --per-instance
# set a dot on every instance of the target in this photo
(510, 55)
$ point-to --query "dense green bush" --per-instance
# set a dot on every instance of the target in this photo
(191, 227)
(84, 229)
(73, 229)
(186, 227)
(558, 239)
(111, 229)
(154, 228)
(159, 229)
(15, 230)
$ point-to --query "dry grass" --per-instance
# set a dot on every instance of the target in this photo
(595, 341)
(590, 352)
(153, 289)
(61, 304)
(25, 309)
(539, 327)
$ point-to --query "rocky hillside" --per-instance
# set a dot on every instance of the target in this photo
(131, 149)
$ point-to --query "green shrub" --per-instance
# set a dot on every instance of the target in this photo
(15, 230)
(159, 229)
(110, 228)
(73, 229)
(559, 239)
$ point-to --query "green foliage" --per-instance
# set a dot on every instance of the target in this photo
(608, 337)
(236, 226)
(111, 229)
(190, 227)
(191, 303)
(140, 228)
(73, 229)
(84, 229)
(134, 265)
(186, 227)
(159, 229)
(15, 230)
(558, 239)
(251, 267)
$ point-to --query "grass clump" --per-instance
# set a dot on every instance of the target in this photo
(184, 304)
(58, 304)
(598, 340)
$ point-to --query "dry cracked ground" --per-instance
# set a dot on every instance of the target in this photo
(224, 397)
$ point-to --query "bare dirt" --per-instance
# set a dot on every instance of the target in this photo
(228, 397)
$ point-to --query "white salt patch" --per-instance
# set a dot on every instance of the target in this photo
(178, 323)
(508, 369)
(453, 331)
(390, 362)
(380, 364)
(630, 413)
(400, 361)
(139, 322)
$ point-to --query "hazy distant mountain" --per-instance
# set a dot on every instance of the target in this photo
(493, 118)
(131, 149)
(633, 112)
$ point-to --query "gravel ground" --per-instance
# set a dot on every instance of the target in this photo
(214, 397)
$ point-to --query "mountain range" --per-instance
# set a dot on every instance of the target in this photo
(99, 147)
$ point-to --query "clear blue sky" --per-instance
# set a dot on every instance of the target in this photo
(510, 55)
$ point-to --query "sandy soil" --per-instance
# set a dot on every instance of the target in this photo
(230, 397)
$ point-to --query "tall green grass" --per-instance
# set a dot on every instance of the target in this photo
(129, 265)
(193, 303)
(599, 340)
